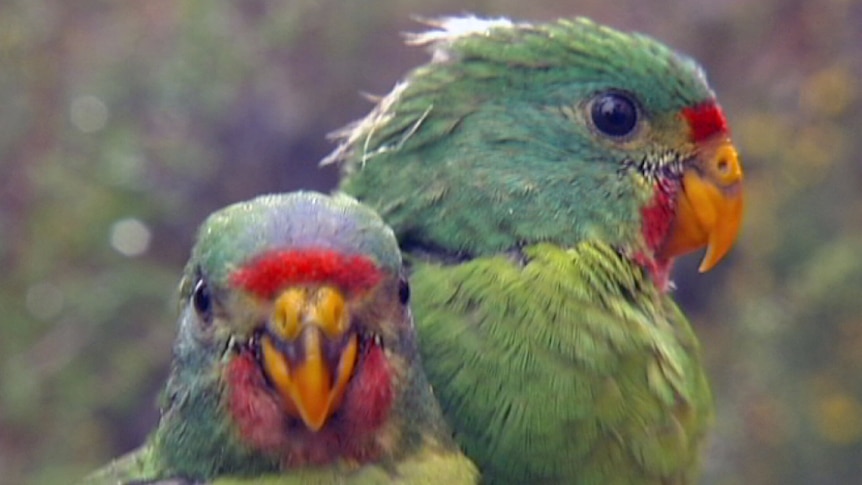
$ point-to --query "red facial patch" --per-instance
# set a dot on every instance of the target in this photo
(370, 396)
(705, 120)
(272, 271)
(351, 433)
(256, 412)
(656, 218)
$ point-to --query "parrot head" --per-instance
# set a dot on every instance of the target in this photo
(563, 132)
(295, 345)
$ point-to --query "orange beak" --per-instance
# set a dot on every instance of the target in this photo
(709, 206)
(308, 352)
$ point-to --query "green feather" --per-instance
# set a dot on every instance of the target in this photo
(570, 363)
(557, 357)
(491, 129)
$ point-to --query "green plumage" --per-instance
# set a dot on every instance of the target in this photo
(486, 147)
(566, 363)
(199, 440)
(428, 466)
(554, 348)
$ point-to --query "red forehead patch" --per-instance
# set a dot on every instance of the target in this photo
(272, 271)
(705, 120)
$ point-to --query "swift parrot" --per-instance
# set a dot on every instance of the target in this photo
(541, 180)
(295, 360)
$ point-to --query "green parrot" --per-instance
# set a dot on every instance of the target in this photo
(296, 359)
(541, 179)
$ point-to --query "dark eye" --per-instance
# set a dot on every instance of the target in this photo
(202, 300)
(403, 291)
(614, 114)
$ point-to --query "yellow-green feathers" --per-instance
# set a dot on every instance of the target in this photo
(563, 366)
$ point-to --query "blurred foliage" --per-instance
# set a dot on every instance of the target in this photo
(124, 123)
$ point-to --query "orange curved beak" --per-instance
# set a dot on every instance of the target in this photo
(298, 356)
(709, 206)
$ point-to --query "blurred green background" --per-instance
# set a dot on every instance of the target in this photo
(122, 124)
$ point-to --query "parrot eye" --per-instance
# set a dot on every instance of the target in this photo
(614, 114)
(403, 291)
(202, 300)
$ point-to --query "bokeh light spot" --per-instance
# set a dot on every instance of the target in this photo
(88, 113)
(130, 237)
(830, 92)
(839, 418)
